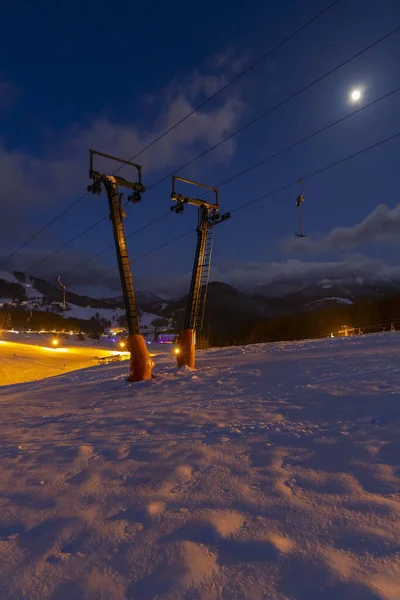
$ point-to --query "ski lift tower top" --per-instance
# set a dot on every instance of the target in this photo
(182, 200)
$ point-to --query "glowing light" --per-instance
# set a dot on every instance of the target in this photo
(122, 344)
(55, 342)
(177, 350)
(355, 95)
(53, 349)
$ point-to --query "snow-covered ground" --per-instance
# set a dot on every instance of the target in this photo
(34, 298)
(8, 277)
(109, 314)
(271, 472)
(21, 362)
(337, 299)
(86, 313)
(30, 357)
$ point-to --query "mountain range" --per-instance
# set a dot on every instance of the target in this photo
(226, 305)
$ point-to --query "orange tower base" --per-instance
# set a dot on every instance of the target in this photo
(187, 348)
(141, 363)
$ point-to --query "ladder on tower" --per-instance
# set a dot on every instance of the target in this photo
(208, 217)
(202, 278)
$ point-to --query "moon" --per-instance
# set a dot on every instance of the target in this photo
(355, 95)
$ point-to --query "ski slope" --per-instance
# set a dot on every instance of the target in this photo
(112, 315)
(270, 472)
(28, 357)
(22, 362)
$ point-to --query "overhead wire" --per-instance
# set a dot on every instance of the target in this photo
(233, 134)
(198, 107)
(303, 140)
(252, 167)
(278, 105)
(142, 255)
(317, 172)
(112, 246)
(265, 196)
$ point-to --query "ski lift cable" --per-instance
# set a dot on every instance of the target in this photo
(230, 179)
(276, 106)
(139, 256)
(303, 140)
(308, 86)
(265, 196)
(236, 78)
(111, 247)
(317, 172)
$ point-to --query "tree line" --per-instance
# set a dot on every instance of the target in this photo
(228, 328)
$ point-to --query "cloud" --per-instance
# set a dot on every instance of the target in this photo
(381, 226)
(50, 269)
(252, 275)
(203, 129)
(31, 183)
(94, 278)
(273, 278)
(228, 60)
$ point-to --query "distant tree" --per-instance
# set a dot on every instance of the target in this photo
(122, 321)
(160, 322)
(5, 320)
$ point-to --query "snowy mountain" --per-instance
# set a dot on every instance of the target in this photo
(18, 290)
(290, 296)
(229, 311)
(19, 287)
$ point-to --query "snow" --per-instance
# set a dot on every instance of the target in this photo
(28, 357)
(22, 362)
(109, 314)
(31, 292)
(270, 472)
(8, 277)
(339, 299)
(147, 318)
(86, 313)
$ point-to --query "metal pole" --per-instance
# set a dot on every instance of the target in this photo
(63, 290)
(141, 363)
(122, 255)
(187, 338)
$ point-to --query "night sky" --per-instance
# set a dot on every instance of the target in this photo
(115, 75)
